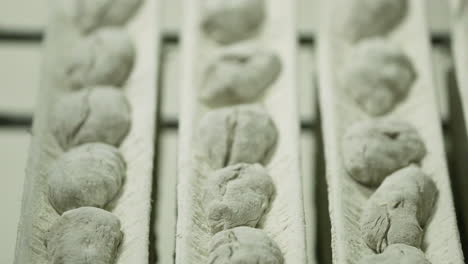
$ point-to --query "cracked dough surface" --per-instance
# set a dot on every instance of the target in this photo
(231, 135)
(237, 195)
(398, 211)
(98, 114)
(372, 150)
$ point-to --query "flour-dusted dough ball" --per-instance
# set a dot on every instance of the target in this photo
(88, 175)
(237, 195)
(244, 245)
(88, 15)
(99, 114)
(228, 21)
(397, 254)
(372, 150)
(398, 211)
(105, 57)
(84, 235)
(231, 135)
(240, 76)
(377, 76)
(369, 18)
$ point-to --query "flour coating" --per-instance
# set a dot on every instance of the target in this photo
(228, 21)
(371, 18)
(97, 114)
(104, 58)
(237, 195)
(88, 175)
(88, 15)
(244, 245)
(397, 254)
(372, 150)
(84, 235)
(398, 211)
(231, 135)
(378, 76)
(240, 77)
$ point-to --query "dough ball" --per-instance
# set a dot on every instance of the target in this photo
(103, 58)
(99, 114)
(231, 135)
(377, 76)
(237, 195)
(240, 76)
(84, 235)
(229, 21)
(88, 175)
(372, 150)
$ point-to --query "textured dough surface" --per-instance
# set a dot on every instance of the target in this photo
(228, 21)
(88, 175)
(89, 15)
(284, 222)
(86, 235)
(369, 18)
(372, 150)
(98, 114)
(133, 204)
(231, 135)
(398, 211)
(240, 76)
(397, 254)
(244, 245)
(347, 198)
(377, 75)
(237, 195)
(105, 57)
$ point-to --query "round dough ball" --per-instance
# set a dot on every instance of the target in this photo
(103, 58)
(84, 235)
(244, 245)
(237, 195)
(372, 150)
(398, 210)
(377, 75)
(231, 135)
(371, 18)
(228, 21)
(239, 76)
(99, 114)
(88, 15)
(397, 254)
(88, 175)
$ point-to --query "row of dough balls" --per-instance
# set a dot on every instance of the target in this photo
(384, 154)
(89, 123)
(235, 142)
(378, 75)
(238, 74)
